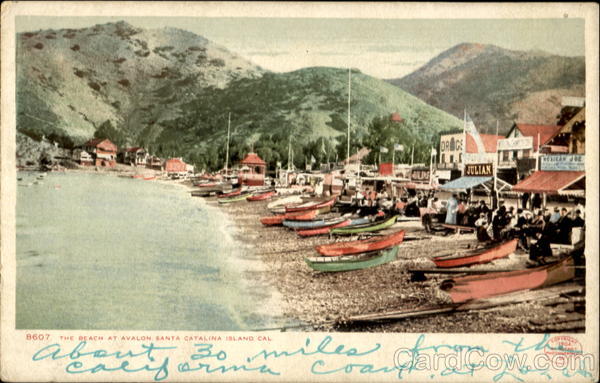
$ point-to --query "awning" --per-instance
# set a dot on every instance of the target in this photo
(551, 182)
(419, 186)
(464, 183)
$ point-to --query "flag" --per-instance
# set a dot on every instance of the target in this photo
(471, 130)
(383, 149)
(278, 164)
(312, 159)
(399, 147)
(433, 152)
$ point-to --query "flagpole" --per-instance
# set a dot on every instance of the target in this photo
(349, 90)
(431, 166)
(495, 165)
(412, 155)
(464, 146)
(537, 155)
(227, 150)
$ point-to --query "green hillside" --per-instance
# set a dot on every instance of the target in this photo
(308, 106)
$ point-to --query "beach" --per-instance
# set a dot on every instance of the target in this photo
(323, 301)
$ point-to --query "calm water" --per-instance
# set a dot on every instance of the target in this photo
(103, 252)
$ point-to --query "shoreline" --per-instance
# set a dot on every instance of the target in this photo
(317, 299)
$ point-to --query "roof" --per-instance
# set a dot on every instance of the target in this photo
(489, 142)
(133, 149)
(171, 160)
(395, 117)
(463, 183)
(546, 132)
(568, 127)
(548, 182)
(94, 141)
(253, 159)
(359, 155)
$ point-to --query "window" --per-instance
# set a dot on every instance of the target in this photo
(451, 158)
(443, 158)
(505, 156)
(526, 153)
(452, 146)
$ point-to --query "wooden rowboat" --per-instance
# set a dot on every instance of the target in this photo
(284, 201)
(298, 225)
(361, 246)
(352, 262)
(150, 178)
(261, 197)
(477, 256)
(299, 216)
(311, 205)
(323, 230)
(367, 228)
(483, 286)
(232, 193)
(236, 198)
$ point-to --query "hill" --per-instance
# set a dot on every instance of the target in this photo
(170, 91)
(493, 83)
(70, 82)
(308, 106)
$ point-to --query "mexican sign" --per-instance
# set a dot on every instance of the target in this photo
(479, 170)
(419, 174)
(515, 143)
(563, 162)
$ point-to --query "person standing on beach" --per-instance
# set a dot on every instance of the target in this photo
(452, 209)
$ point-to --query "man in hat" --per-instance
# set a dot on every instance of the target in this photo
(555, 216)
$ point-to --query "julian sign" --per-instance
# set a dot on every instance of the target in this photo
(479, 170)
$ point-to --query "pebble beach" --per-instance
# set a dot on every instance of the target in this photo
(323, 301)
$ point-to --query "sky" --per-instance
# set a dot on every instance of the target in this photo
(383, 48)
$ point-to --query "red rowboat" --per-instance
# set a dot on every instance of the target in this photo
(298, 216)
(483, 286)
(150, 178)
(315, 205)
(477, 256)
(261, 197)
(137, 176)
(361, 246)
(322, 230)
(231, 194)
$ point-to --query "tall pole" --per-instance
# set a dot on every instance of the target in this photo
(289, 153)
(227, 150)
(495, 165)
(349, 93)
(431, 166)
(464, 145)
(412, 155)
(537, 154)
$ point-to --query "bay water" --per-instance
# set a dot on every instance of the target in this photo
(101, 252)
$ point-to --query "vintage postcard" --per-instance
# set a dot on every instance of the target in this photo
(299, 191)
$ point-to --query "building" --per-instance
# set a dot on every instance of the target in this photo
(571, 136)
(176, 168)
(252, 170)
(103, 152)
(135, 156)
(517, 153)
(82, 157)
(451, 149)
(154, 162)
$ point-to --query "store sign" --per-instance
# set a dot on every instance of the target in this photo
(563, 162)
(443, 174)
(479, 170)
(419, 175)
(478, 158)
(516, 143)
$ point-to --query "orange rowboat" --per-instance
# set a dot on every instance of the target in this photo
(322, 230)
(477, 256)
(261, 196)
(361, 246)
(488, 285)
(315, 205)
(150, 178)
(298, 216)
(231, 194)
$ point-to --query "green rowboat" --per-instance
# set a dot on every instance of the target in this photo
(237, 198)
(352, 262)
(368, 228)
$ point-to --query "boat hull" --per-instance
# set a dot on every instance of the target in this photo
(488, 285)
(298, 225)
(311, 206)
(323, 230)
(363, 246)
(366, 229)
(300, 216)
(261, 197)
(233, 199)
(344, 263)
(487, 255)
